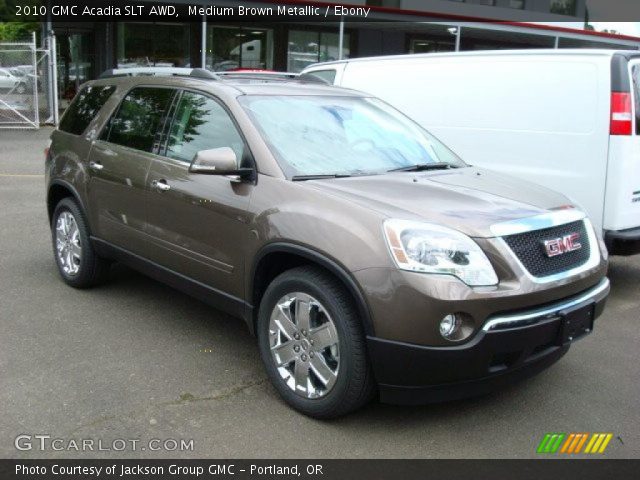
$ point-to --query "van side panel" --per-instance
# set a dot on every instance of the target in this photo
(544, 118)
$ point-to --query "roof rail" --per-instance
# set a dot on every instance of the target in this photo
(268, 76)
(161, 71)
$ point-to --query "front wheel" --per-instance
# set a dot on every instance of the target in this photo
(78, 263)
(312, 344)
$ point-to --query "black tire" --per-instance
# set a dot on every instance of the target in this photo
(355, 384)
(93, 269)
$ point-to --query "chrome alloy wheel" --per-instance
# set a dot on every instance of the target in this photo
(304, 345)
(68, 245)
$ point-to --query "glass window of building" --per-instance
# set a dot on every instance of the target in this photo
(427, 45)
(563, 7)
(306, 48)
(76, 59)
(230, 48)
(153, 45)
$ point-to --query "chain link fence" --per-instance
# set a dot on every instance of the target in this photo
(27, 84)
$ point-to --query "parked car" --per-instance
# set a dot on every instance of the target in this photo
(10, 82)
(363, 253)
(26, 76)
(566, 119)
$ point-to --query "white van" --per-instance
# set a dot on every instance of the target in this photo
(567, 119)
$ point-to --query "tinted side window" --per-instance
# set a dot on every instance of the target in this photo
(84, 107)
(139, 117)
(325, 75)
(200, 123)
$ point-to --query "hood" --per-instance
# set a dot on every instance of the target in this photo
(469, 199)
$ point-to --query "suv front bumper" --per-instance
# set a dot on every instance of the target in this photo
(508, 348)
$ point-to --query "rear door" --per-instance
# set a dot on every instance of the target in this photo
(198, 223)
(119, 163)
(622, 204)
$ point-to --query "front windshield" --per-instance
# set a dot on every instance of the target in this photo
(323, 135)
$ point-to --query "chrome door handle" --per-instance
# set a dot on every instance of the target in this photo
(96, 166)
(161, 185)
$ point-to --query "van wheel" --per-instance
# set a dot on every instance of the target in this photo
(312, 344)
(77, 262)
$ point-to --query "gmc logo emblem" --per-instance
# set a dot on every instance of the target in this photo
(558, 246)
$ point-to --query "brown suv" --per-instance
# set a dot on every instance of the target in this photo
(364, 254)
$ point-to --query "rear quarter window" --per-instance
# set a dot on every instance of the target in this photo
(84, 108)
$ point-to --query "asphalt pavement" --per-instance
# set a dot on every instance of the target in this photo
(136, 360)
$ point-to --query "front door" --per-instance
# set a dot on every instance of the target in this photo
(198, 223)
(119, 164)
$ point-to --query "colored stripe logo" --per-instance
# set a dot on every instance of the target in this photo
(573, 443)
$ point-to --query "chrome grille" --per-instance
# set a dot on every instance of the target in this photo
(529, 248)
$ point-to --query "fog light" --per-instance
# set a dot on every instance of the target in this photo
(448, 326)
(456, 326)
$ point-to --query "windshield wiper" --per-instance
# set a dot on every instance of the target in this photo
(300, 178)
(421, 167)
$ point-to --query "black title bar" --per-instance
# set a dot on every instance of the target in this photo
(316, 11)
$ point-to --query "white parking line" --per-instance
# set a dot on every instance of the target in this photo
(21, 175)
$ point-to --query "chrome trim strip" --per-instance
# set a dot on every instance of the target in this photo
(592, 262)
(538, 222)
(546, 312)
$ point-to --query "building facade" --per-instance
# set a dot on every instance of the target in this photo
(393, 27)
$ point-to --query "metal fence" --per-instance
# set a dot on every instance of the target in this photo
(28, 90)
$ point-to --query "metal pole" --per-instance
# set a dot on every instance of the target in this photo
(34, 62)
(53, 52)
(203, 52)
(341, 38)
(51, 93)
(458, 35)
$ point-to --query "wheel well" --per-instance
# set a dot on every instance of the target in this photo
(269, 267)
(274, 263)
(56, 193)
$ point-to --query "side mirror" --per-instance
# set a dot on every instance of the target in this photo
(219, 161)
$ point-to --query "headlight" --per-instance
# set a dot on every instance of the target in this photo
(428, 248)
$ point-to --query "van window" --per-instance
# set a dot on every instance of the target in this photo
(635, 74)
(328, 76)
(136, 122)
(200, 123)
(84, 107)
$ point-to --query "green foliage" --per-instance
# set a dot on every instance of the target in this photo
(16, 31)
(12, 28)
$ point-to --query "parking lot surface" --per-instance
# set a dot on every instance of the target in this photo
(134, 359)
